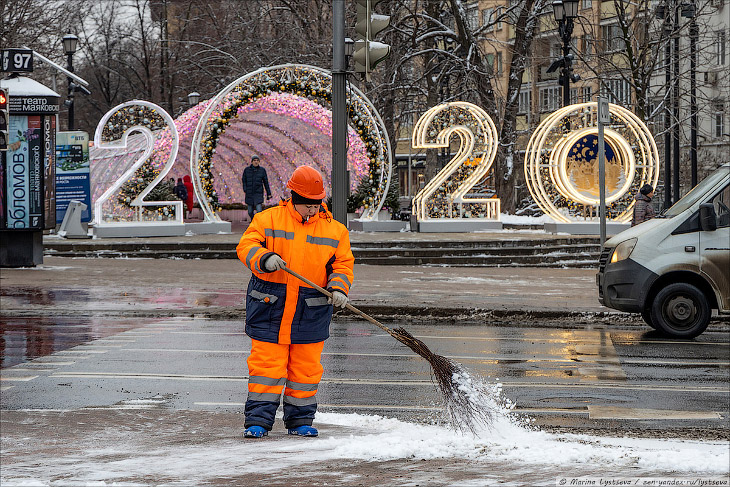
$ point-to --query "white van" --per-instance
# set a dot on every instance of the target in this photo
(675, 268)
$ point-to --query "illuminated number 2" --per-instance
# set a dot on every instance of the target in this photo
(113, 131)
(445, 195)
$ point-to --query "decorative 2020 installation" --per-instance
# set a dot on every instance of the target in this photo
(446, 196)
(561, 163)
(279, 113)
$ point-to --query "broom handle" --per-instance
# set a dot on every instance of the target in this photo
(348, 305)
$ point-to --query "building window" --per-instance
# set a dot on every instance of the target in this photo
(718, 108)
(494, 60)
(556, 51)
(487, 19)
(612, 38)
(617, 91)
(550, 98)
(720, 47)
(491, 19)
(472, 16)
(586, 94)
(587, 47)
(587, 3)
(574, 95)
(524, 101)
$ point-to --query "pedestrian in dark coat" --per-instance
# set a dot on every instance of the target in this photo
(189, 186)
(643, 210)
(180, 190)
(254, 180)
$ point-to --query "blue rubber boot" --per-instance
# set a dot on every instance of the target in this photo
(255, 432)
(304, 430)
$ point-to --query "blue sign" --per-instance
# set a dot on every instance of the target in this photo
(72, 173)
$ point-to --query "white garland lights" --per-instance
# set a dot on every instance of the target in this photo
(444, 197)
(113, 132)
(561, 166)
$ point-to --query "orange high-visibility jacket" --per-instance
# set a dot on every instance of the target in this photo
(279, 307)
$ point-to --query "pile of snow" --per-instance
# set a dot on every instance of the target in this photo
(504, 445)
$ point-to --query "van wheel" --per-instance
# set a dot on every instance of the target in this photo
(646, 316)
(680, 310)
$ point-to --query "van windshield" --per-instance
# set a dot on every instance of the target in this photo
(698, 191)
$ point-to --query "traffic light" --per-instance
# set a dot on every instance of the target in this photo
(369, 53)
(4, 119)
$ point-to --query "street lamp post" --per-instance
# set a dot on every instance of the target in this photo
(565, 11)
(70, 42)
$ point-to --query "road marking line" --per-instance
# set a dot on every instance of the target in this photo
(667, 342)
(378, 406)
(415, 382)
(42, 362)
(483, 358)
(208, 333)
(538, 339)
(104, 375)
(5, 388)
(114, 340)
(23, 369)
(635, 361)
(612, 412)
(237, 404)
(622, 385)
(170, 324)
(582, 412)
(19, 379)
(183, 350)
(81, 351)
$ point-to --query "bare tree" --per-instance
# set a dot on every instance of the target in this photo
(37, 24)
(440, 47)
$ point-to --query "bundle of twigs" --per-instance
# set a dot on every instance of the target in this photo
(454, 383)
(451, 378)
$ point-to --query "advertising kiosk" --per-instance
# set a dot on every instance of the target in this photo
(27, 172)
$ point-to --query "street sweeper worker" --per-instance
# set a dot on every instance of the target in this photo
(286, 319)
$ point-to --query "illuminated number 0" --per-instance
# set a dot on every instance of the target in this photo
(477, 148)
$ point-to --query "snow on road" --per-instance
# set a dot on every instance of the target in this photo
(362, 440)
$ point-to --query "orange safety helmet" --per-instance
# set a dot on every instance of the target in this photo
(307, 181)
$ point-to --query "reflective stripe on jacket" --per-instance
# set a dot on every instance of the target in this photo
(279, 307)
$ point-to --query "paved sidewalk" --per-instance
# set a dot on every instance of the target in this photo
(355, 237)
(217, 287)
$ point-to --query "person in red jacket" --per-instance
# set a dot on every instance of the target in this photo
(189, 186)
(287, 320)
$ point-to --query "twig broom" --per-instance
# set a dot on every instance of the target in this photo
(451, 377)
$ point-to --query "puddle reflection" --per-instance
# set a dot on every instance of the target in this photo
(27, 338)
(101, 298)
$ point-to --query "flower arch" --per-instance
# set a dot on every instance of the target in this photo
(304, 81)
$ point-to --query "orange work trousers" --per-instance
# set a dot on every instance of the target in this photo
(294, 369)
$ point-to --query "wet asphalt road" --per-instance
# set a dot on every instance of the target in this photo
(571, 379)
(133, 372)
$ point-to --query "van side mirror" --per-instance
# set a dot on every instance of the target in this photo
(708, 218)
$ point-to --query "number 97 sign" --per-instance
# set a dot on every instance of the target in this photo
(17, 60)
